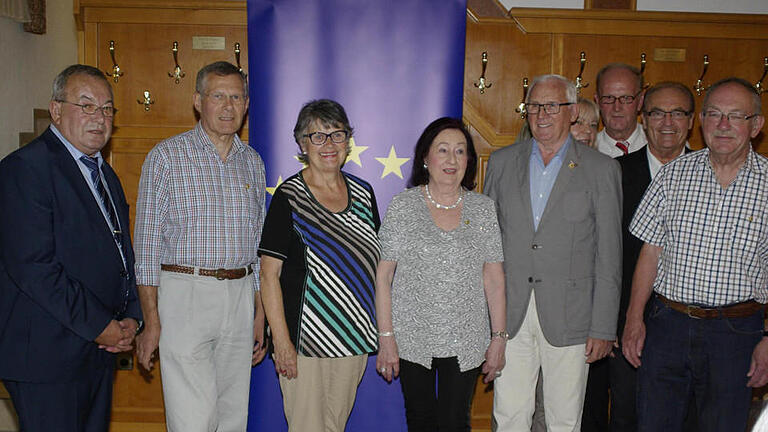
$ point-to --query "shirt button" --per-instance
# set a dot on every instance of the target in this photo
(530, 280)
(534, 247)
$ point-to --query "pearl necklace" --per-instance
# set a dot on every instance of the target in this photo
(440, 206)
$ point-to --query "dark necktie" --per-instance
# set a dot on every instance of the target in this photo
(623, 147)
(93, 166)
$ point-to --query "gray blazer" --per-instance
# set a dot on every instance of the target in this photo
(573, 261)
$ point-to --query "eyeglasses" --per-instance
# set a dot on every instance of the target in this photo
(220, 98)
(657, 114)
(734, 118)
(90, 109)
(319, 138)
(626, 99)
(549, 108)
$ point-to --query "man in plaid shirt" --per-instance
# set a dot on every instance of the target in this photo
(198, 223)
(704, 269)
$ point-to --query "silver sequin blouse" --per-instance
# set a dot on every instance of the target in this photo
(438, 301)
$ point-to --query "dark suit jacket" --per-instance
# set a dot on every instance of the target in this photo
(635, 179)
(572, 262)
(61, 275)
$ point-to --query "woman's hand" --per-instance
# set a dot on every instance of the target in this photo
(284, 357)
(494, 359)
(388, 360)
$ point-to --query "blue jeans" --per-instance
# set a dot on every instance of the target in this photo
(705, 359)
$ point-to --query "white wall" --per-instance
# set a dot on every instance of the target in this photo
(28, 65)
(720, 6)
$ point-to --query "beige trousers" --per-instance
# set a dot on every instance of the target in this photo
(564, 374)
(206, 344)
(320, 398)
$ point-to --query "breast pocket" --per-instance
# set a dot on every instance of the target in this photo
(577, 206)
(746, 235)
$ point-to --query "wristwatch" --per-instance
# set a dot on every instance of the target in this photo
(140, 327)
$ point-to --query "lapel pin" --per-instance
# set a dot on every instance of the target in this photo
(572, 164)
(466, 221)
(247, 186)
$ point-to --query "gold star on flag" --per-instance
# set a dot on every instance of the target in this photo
(392, 163)
(354, 152)
(271, 190)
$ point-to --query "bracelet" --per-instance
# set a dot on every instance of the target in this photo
(500, 334)
(386, 333)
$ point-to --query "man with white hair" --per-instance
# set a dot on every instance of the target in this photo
(559, 208)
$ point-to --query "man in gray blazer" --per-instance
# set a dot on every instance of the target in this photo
(559, 207)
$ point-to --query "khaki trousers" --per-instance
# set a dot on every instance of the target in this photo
(206, 343)
(320, 398)
(564, 374)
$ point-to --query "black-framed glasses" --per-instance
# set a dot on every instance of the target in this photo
(319, 138)
(657, 114)
(714, 115)
(549, 107)
(90, 109)
(626, 99)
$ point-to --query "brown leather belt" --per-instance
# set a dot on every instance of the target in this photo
(220, 274)
(738, 310)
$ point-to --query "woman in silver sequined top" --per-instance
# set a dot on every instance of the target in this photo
(440, 300)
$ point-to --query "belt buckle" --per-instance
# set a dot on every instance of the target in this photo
(689, 309)
(220, 273)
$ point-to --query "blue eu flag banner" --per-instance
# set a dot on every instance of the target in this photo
(395, 65)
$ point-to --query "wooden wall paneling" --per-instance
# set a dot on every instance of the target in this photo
(143, 52)
(727, 58)
(512, 55)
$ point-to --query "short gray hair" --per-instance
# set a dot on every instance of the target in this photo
(220, 68)
(328, 112)
(59, 92)
(757, 105)
(570, 87)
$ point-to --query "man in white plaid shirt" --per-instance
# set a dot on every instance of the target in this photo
(704, 269)
(199, 217)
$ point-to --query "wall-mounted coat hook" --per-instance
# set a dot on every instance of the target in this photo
(146, 101)
(521, 108)
(579, 80)
(643, 85)
(115, 73)
(759, 84)
(177, 73)
(482, 83)
(699, 87)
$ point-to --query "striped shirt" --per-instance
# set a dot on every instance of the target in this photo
(714, 241)
(194, 209)
(329, 267)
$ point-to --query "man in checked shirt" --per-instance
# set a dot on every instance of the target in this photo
(198, 224)
(704, 268)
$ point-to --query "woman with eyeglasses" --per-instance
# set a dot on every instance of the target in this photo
(319, 250)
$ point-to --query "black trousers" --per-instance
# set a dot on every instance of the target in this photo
(446, 410)
(80, 406)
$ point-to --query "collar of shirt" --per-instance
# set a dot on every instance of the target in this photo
(76, 154)
(654, 165)
(204, 140)
(542, 178)
(750, 164)
(607, 145)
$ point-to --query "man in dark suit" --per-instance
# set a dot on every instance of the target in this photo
(67, 287)
(667, 119)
